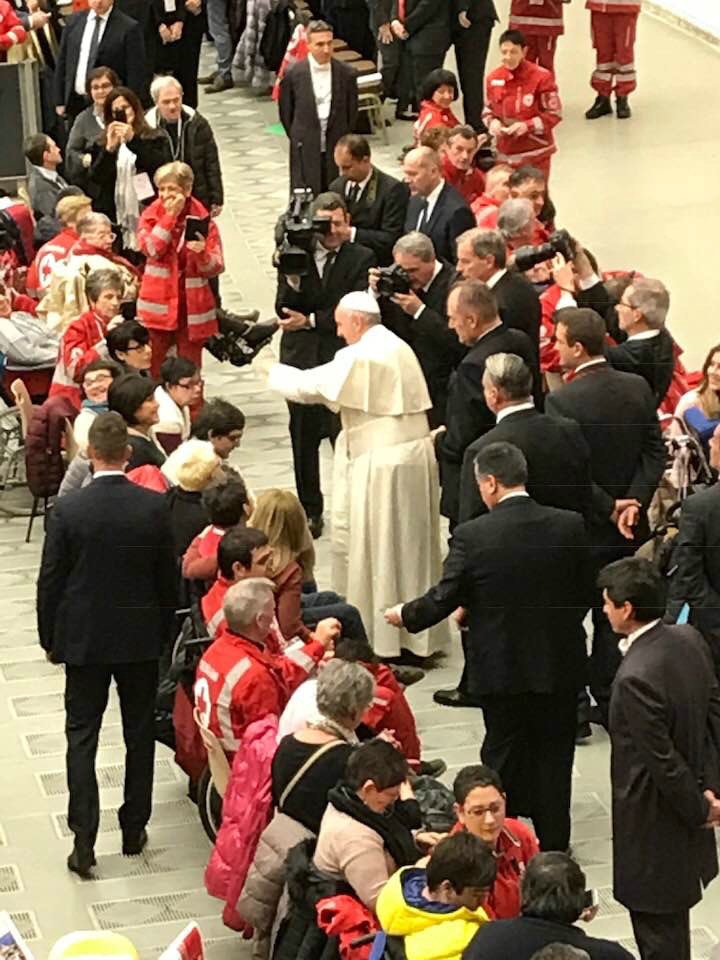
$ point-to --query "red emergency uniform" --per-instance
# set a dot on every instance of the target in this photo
(613, 24)
(212, 611)
(469, 183)
(542, 23)
(238, 681)
(527, 95)
(11, 29)
(41, 270)
(81, 343)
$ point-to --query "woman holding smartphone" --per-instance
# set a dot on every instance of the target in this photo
(183, 250)
(125, 157)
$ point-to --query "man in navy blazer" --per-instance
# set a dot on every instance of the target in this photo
(435, 208)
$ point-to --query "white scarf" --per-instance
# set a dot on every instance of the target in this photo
(126, 201)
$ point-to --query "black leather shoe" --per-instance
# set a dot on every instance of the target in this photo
(316, 526)
(453, 698)
(407, 676)
(133, 844)
(601, 108)
(598, 717)
(583, 732)
(432, 768)
(622, 108)
(81, 861)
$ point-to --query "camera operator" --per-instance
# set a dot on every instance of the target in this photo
(305, 305)
(413, 299)
(482, 255)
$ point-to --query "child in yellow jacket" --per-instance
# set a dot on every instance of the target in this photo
(437, 910)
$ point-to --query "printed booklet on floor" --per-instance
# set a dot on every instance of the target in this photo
(12, 945)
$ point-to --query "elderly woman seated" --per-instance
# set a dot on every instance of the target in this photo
(96, 379)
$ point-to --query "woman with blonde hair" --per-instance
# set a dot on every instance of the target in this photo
(700, 408)
(280, 516)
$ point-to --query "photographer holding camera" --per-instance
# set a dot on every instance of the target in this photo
(413, 296)
(306, 298)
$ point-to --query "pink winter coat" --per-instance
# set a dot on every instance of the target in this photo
(247, 808)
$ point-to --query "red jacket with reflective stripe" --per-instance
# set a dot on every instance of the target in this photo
(238, 682)
(175, 281)
(212, 611)
(11, 29)
(537, 17)
(40, 272)
(613, 6)
(82, 342)
(528, 94)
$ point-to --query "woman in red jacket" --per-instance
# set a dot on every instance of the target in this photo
(11, 29)
(183, 250)
(439, 91)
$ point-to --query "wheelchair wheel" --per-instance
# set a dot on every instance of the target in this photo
(209, 804)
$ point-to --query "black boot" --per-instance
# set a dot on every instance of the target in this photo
(601, 108)
(622, 108)
(82, 859)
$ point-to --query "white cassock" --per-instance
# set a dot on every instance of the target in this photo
(385, 503)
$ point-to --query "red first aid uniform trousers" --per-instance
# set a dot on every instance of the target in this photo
(613, 24)
(542, 23)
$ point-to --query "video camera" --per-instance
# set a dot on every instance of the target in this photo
(296, 229)
(559, 242)
(392, 280)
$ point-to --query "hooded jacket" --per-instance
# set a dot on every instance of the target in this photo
(431, 930)
(197, 148)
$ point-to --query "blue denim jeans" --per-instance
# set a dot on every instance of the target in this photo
(220, 30)
(326, 603)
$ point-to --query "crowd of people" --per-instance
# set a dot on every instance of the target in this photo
(466, 359)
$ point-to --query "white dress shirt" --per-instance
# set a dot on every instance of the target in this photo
(506, 411)
(82, 67)
(626, 642)
(360, 190)
(591, 363)
(498, 275)
(431, 199)
(436, 270)
(321, 77)
(644, 335)
(513, 493)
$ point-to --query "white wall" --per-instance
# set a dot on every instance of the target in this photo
(704, 14)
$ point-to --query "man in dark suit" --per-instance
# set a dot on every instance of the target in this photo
(106, 596)
(419, 316)
(556, 451)
(473, 316)
(482, 255)
(648, 349)
(435, 208)
(306, 308)
(617, 414)
(665, 738)
(471, 30)
(521, 577)
(318, 105)
(424, 26)
(696, 580)
(102, 36)
(376, 201)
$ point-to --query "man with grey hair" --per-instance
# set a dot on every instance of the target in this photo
(418, 314)
(241, 677)
(435, 208)
(190, 138)
(516, 222)
(520, 574)
(649, 349)
(482, 255)
(385, 534)
(556, 451)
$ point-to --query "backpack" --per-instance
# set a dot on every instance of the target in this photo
(276, 35)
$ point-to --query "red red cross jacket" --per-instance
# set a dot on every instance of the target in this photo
(81, 343)
(175, 280)
(613, 6)
(431, 115)
(40, 272)
(469, 183)
(238, 682)
(529, 95)
(212, 611)
(542, 18)
(11, 30)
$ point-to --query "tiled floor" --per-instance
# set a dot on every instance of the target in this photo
(640, 194)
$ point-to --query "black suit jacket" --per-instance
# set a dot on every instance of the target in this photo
(519, 304)
(121, 48)
(696, 580)
(435, 344)
(617, 414)
(428, 24)
(450, 217)
(665, 737)
(107, 587)
(379, 214)
(558, 460)
(521, 574)
(298, 115)
(312, 346)
(478, 11)
(467, 414)
(652, 359)
(521, 938)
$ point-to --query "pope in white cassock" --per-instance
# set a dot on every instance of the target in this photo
(385, 503)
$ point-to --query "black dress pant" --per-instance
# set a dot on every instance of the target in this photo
(662, 936)
(309, 425)
(530, 741)
(86, 697)
(471, 49)
(182, 60)
(422, 65)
